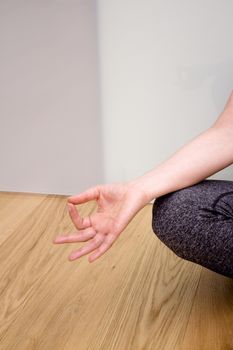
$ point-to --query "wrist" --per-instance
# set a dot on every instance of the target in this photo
(143, 189)
(155, 183)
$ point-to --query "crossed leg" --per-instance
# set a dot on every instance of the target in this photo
(196, 223)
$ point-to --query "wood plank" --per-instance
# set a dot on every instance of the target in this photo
(138, 295)
(211, 320)
(15, 208)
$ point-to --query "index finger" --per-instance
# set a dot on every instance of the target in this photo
(78, 221)
(90, 194)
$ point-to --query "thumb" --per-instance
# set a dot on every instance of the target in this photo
(88, 195)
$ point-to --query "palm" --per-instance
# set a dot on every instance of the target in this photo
(116, 206)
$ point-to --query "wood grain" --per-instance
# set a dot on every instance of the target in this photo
(138, 295)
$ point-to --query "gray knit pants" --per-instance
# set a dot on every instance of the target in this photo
(196, 223)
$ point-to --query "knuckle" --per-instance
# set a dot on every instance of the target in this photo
(98, 238)
(95, 240)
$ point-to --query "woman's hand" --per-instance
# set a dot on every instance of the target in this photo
(117, 204)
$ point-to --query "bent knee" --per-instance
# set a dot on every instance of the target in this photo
(170, 210)
(172, 220)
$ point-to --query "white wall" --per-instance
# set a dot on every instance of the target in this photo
(166, 69)
(166, 73)
(50, 127)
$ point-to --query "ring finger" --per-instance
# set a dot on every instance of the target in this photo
(94, 243)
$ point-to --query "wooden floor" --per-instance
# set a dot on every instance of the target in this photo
(138, 295)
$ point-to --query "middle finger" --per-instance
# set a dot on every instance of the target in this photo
(81, 236)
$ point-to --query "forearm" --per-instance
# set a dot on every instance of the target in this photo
(203, 156)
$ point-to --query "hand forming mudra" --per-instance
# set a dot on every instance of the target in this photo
(117, 205)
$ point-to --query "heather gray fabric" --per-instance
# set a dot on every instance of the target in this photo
(196, 223)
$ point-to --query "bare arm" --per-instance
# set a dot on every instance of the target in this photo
(118, 203)
(203, 156)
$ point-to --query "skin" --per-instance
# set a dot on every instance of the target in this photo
(118, 203)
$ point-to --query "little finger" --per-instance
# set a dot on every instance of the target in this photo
(107, 243)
